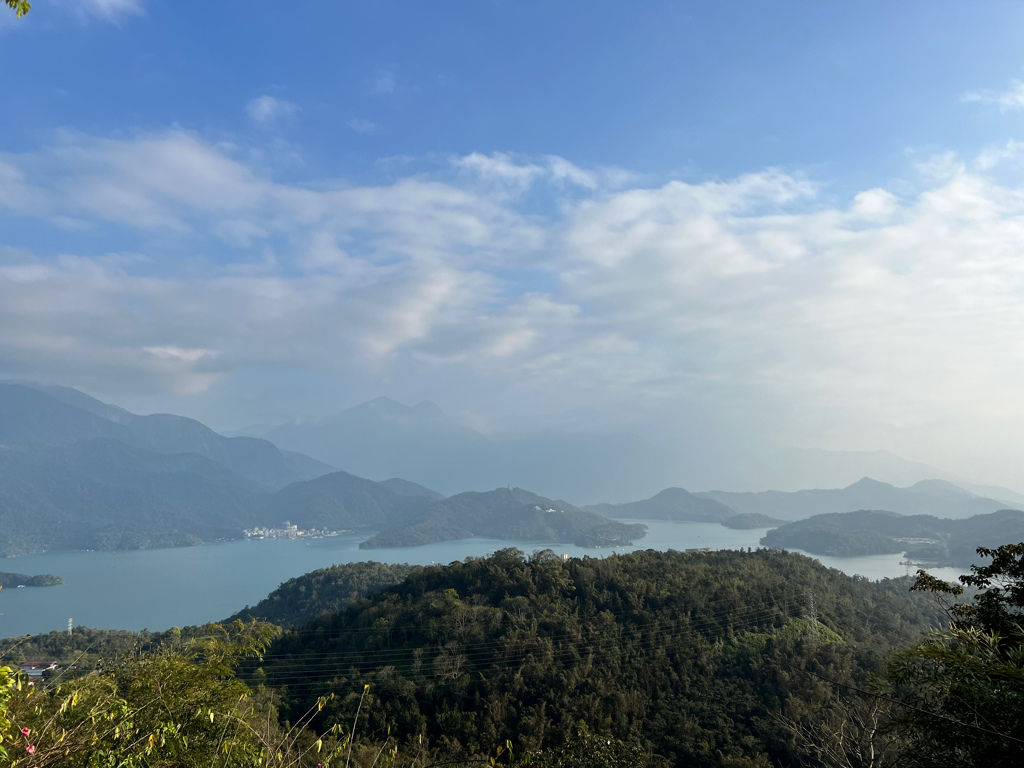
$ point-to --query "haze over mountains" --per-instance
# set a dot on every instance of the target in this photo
(934, 497)
(383, 438)
(79, 473)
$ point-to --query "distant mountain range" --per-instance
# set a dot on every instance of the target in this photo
(77, 473)
(383, 438)
(58, 416)
(928, 497)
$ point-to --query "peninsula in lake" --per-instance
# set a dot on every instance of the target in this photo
(8, 580)
(924, 538)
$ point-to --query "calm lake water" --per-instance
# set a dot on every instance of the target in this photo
(159, 589)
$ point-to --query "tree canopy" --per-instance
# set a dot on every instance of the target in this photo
(20, 7)
(962, 688)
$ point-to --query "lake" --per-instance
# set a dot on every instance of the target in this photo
(162, 588)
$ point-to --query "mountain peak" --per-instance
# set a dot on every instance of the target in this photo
(866, 483)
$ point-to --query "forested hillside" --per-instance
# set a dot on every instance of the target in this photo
(670, 504)
(698, 654)
(924, 538)
(325, 591)
(507, 513)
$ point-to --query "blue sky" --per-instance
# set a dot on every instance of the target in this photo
(796, 223)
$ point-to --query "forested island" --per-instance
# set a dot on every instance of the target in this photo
(925, 539)
(8, 580)
(751, 520)
(508, 513)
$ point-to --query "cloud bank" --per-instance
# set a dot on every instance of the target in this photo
(884, 320)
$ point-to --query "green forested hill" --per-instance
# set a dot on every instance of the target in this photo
(325, 591)
(670, 504)
(506, 513)
(340, 500)
(697, 654)
(871, 532)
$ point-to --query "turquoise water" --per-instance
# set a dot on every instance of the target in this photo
(158, 589)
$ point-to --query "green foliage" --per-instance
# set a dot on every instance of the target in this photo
(963, 687)
(325, 591)
(589, 750)
(8, 682)
(20, 7)
(9, 580)
(693, 654)
(178, 706)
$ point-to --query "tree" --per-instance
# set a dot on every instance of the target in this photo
(962, 688)
(178, 707)
(20, 7)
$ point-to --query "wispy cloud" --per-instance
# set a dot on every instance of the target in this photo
(109, 10)
(266, 109)
(888, 319)
(1009, 100)
(361, 126)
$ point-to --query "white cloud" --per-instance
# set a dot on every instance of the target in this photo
(504, 171)
(1009, 100)
(884, 320)
(266, 109)
(499, 169)
(874, 205)
(361, 126)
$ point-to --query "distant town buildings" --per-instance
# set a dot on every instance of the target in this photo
(288, 531)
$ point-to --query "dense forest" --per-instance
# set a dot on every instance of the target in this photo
(325, 591)
(710, 659)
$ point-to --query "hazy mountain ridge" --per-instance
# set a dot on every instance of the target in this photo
(670, 504)
(71, 478)
(383, 438)
(79, 473)
(54, 416)
(932, 497)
